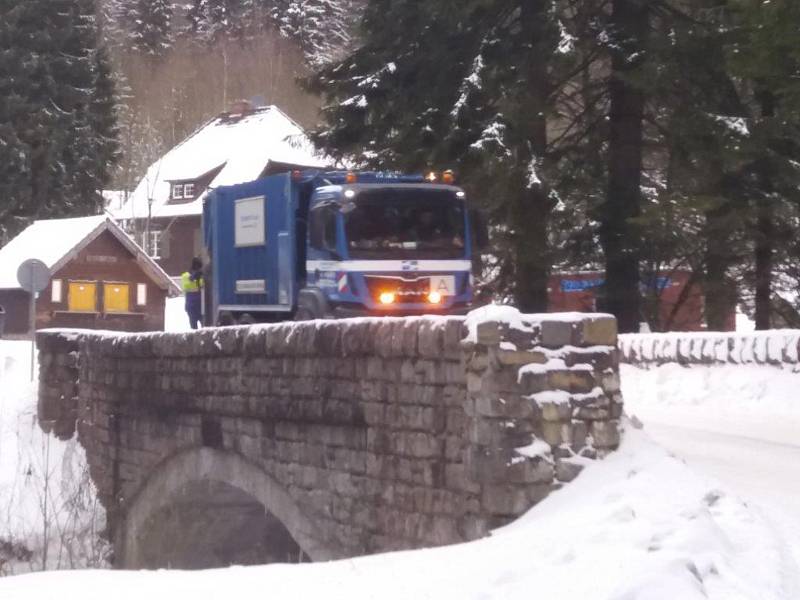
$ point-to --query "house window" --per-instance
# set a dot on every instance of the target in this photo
(177, 191)
(141, 294)
(155, 244)
(188, 190)
(55, 291)
(82, 296)
(116, 297)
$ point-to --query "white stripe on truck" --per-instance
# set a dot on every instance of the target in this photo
(375, 266)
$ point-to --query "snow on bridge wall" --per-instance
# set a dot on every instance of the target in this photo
(776, 347)
(359, 436)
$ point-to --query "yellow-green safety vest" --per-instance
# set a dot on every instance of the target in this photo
(190, 286)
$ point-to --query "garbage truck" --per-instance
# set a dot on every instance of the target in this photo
(307, 244)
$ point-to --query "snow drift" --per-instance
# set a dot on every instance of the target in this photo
(638, 525)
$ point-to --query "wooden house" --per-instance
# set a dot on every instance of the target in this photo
(101, 279)
(164, 211)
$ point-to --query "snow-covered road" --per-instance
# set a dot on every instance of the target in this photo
(738, 425)
(762, 472)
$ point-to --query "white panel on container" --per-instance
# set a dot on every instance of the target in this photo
(249, 222)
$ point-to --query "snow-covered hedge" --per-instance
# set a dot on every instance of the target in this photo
(777, 347)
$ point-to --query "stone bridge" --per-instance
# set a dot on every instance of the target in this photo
(329, 439)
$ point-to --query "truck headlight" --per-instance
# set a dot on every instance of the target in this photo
(434, 297)
(386, 298)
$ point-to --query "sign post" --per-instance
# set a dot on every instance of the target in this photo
(33, 276)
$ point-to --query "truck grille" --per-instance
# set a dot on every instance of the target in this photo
(407, 291)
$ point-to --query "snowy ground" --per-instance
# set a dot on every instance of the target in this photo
(175, 318)
(49, 516)
(640, 525)
(737, 424)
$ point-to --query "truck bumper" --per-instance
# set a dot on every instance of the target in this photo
(354, 310)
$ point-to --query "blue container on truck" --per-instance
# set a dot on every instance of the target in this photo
(307, 245)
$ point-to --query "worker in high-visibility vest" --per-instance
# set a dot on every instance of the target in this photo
(192, 284)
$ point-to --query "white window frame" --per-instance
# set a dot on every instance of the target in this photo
(155, 244)
(177, 191)
(188, 190)
(56, 291)
(141, 294)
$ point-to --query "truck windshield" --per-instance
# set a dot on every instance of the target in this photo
(414, 223)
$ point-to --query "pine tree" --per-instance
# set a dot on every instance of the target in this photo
(320, 27)
(466, 85)
(732, 145)
(211, 21)
(628, 28)
(151, 26)
(57, 108)
(765, 59)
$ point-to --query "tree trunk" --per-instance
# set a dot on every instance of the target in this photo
(531, 210)
(619, 236)
(719, 298)
(765, 230)
(763, 264)
(532, 252)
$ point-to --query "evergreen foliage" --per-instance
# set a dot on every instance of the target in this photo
(642, 135)
(464, 85)
(151, 26)
(57, 111)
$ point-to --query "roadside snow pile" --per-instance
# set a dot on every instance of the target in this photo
(737, 423)
(512, 318)
(748, 400)
(49, 516)
(175, 319)
(775, 347)
(638, 525)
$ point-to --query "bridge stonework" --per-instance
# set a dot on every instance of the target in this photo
(355, 436)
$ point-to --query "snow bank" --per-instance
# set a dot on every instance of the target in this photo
(746, 400)
(175, 319)
(738, 423)
(775, 347)
(49, 516)
(638, 525)
(514, 319)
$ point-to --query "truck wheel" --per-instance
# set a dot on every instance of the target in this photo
(225, 319)
(303, 313)
(247, 319)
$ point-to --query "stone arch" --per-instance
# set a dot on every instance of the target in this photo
(199, 470)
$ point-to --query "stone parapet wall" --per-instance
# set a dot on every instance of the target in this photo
(386, 433)
(543, 398)
(779, 348)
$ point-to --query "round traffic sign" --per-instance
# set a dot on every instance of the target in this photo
(33, 275)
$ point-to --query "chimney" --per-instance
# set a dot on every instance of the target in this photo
(240, 107)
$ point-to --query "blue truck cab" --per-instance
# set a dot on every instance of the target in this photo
(306, 245)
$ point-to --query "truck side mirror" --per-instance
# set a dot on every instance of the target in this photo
(480, 229)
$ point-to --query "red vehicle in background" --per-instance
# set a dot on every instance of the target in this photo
(671, 306)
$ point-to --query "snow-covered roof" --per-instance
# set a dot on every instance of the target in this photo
(240, 147)
(55, 241)
(114, 199)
